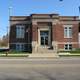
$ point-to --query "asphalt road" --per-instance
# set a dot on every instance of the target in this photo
(40, 69)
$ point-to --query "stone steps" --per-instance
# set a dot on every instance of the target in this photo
(42, 52)
(45, 50)
(44, 55)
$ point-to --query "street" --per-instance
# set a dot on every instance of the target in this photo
(40, 69)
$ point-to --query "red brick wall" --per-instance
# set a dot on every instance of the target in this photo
(34, 33)
(75, 33)
(58, 35)
(75, 46)
(60, 46)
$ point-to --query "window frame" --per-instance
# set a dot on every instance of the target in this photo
(69, 47)
(67, 31)
(20, 31)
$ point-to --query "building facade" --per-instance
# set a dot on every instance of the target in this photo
(44, 32)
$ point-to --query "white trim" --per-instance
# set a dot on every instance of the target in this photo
(68, 25)
(68, 31)
(68, 46)
(67, 43)
(20, 31)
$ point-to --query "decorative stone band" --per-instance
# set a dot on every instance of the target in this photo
(19, 43)
(45, 20)
(67, 42)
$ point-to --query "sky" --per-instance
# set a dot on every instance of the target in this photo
(27, 7)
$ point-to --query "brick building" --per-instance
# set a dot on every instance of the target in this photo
(44, 32)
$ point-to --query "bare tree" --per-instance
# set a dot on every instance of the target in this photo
(4, 41)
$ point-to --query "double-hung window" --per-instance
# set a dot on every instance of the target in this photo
(20, 31)
(67, 31)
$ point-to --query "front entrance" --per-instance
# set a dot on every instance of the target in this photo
(44, 38)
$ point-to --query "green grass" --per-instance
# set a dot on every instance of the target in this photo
(14, 54)
(69, 55)
(72, 52)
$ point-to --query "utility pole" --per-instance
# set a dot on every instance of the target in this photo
(9, 14)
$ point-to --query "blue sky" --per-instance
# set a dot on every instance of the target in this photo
(27, 7)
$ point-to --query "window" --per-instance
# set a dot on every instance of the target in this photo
(68, 31)
(20, 31)
(20, 47)
(68, 46)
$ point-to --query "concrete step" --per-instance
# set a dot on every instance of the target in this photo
(45, 50)
(43, 55)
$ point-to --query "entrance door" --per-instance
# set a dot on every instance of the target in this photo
(44, 38)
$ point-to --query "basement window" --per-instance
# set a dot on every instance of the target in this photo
(68, 46)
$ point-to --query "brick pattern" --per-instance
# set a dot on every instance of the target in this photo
(59, 35)
(34, 32)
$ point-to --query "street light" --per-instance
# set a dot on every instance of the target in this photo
(8, 28)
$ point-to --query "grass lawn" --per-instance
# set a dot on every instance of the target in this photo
(14, 54)
(72, 52)
(75, 53)
(69, 55)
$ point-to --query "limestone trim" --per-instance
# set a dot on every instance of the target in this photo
(54, 21)
(55, 42)
(20, 22)
(69, 22)
(34, 22)
(19, 43)
(34, 46)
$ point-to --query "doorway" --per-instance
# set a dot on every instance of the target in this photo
(44, 38)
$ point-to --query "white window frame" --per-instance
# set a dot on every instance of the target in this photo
(68, 46)
(67, 31)
(20, 31)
